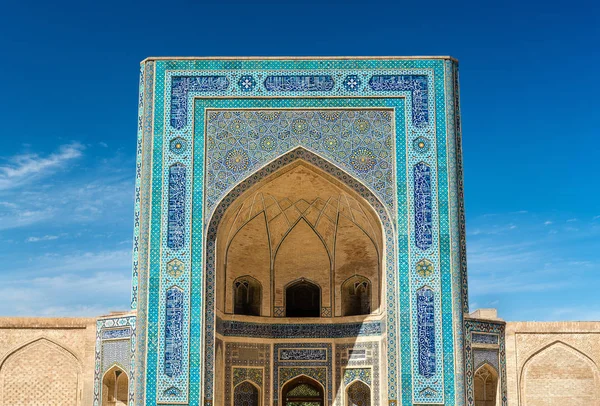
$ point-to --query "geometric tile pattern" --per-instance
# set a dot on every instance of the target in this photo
(116, 352)
(479, 338)
(241, 141)
(481, 356)
(363, 374)
(252, 374)
(174, 98)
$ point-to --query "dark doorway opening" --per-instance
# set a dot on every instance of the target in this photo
(303, 299)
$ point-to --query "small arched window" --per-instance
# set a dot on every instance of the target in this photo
(247, 294)
(303, 299)
(356, 296)
(486, 386)
(358, 394)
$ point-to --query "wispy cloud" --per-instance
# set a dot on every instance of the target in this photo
(543, 263)
(101, 189)
(44, 238)
(23, 168)
(81, 284)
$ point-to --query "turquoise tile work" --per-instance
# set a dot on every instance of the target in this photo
(209, 129)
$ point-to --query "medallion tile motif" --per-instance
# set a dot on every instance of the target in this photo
(242, 140)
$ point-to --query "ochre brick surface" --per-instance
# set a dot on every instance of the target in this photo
(46, 362)
(553, 363)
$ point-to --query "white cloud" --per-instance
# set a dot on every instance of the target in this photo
(98, 195)
(44, 238)
(24, 168)
(547, 222)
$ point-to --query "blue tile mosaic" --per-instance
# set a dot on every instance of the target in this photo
(299, 83)
(116, 333)
(352, 83)
(177, 193)
(244, 329)
(182, 85)
(426, 331)
(481, 338)
(174, 332)
(423, 208)
(416, 84)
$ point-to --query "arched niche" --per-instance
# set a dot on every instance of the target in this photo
(246, 394)
(302, 390)
(358, 393)
(247, 296)
(248, 255)
(298, 221)
(115, 387)
(485, 384)
(560, 374)
(356, 253)
(302, 254)
(356, 296)
(302, 299)
(24, 371)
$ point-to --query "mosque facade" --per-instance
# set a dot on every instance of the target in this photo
(299, 240)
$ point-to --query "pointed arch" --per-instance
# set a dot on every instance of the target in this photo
(246, 393)
(561, 372)
(115, 387)
(303, 254)
(302, 298)
(356, 296)
(485, 383)
(247, 296)
(41, 356)
(358, 393)
(302, 388)
(42, 338)
(219, 216)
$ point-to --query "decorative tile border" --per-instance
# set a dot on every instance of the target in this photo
(475, 356)
(229, 328)
(115, 345)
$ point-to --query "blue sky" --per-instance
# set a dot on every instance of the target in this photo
(529, 92)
